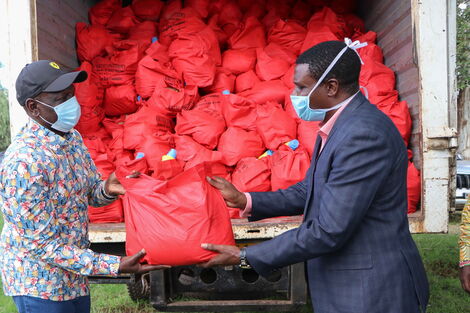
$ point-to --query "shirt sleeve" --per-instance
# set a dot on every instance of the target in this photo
(464, 242)
(248, 207)
(30, 210)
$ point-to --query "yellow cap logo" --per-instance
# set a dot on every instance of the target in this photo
(54, 65)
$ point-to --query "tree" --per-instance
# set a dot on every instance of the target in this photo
(463, 44)
(4, 120)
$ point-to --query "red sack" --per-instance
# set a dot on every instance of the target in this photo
(95, 146)
(236, 144)
(196, 70)
(203, 126)
(200, 6)
(171, 220)
(222, 36)
(354, 23)
(119, 68)
(256, 10)
(252, 175)
(328, 18)
(147, 9)
(90, 120)
(211, 103)
(165, 170)
(288, 78)
(270, 19)
(224, 80)
(246, 81)
(182, 22)
(89, 93)
(274, 125)
(143, 32)
(377, 78)
(170, 101)
(137, 164)
(239, 112)
(171, 7)
(239, 60)
(92, 41)
(371, 51)
(114, 124)
(230, 14)
(155, 146)
(264, 91)
(288, 34)
(272, 62)
(307, 133)
(413, 183)
(155, 73)
(250, 35)
(122, 20)
(120, 100)
(193, 153)
(288, 167)
(301, 11)
(282, 8)
(319, 35)
(101, 12)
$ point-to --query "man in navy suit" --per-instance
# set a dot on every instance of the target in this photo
(355, 239)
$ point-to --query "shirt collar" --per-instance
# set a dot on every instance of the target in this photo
(328, 126)
(47, 136)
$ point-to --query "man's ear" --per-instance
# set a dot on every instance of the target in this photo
(332, 86)
(31, 108)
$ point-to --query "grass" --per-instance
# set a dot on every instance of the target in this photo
(439, 252)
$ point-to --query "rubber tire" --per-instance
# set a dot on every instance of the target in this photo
(137, 291)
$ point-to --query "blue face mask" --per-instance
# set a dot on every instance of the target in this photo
(68, 114)
(301, 104)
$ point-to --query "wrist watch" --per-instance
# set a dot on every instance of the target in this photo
(244, 264)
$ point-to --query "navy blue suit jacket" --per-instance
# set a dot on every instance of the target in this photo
(355, 236)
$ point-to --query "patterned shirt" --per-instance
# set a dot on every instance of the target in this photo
(464, 241)
(46, 184)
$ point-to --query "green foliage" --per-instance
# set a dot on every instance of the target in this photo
(4, 120)
(463, 44)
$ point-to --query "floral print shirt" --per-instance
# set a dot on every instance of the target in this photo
(46, 184)
(464, 241)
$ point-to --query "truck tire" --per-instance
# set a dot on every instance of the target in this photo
(139, 289)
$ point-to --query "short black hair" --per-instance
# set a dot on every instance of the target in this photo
(346, 70)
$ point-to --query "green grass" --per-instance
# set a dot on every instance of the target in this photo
(439, 252)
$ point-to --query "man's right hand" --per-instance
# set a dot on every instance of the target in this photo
(131, 264)
(233, 197)
(465, 278)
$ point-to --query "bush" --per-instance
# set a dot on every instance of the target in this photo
(4, 120)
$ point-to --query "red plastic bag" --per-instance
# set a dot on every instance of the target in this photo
(182, 22)
(371, 51)
(288, 34)
(250, 35)
(256, 10)
(147, 9)
(413, 186)
(155, 73)
(89, 93)
(264, 91)
(319, 35)
(222, 36)
(288, 78)
(120, 100)
(328, 18)
(101, 12)
(273, 62)
(165, 170)
(171, 220)
(236, 144)
(239, 60)
(252, 175)
(143, 32)
(200, 6)
(246, 81)
(194, 153)
(114, 124)
(230, 14)
(196, 70)
(90, 120)
(122, 20)
(171, 7)
(170, 101)
(224, 80)
(203, 126)
(239, 112)
(377, 78)
(274, 125)
(92, 41)
(155, 146)
(288, 167)
(119, 68)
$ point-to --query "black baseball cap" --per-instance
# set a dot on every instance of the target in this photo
(44, 76)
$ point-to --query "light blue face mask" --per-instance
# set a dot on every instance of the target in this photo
(301, 104)
(68, 114)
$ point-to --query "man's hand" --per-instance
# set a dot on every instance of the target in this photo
(233, 197)
(228, 255)
(113, 187)
(130, 264)
(465, 278)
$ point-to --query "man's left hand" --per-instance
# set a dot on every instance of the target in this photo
(228, 255)
(113, 187)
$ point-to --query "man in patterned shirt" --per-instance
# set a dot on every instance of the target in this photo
(464, 244)
(47, 181)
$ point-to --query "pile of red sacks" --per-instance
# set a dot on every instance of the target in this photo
(211, 79)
